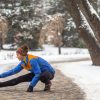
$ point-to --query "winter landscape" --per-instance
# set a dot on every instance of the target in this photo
(66, 33)
(74, 63)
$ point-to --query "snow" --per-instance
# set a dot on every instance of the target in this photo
(98, 4)
(48, 53)
(92, 10)
(7, 11)
(86, 25)
(83, 73)
(70, 24)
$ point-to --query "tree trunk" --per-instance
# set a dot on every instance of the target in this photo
(94, 3)
(84, 30)
(98, 7)
(1, 42)
(93, 18)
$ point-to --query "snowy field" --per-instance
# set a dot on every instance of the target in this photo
(85, 75)
(49, 53)
(81, 72)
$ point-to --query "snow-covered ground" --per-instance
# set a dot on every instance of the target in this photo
(49, 53)
(85, 75)
(81, 72)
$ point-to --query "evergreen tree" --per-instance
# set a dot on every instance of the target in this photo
(24, 17)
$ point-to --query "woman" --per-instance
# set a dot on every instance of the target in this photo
(39, 69)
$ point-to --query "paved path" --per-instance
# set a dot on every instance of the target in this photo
(62, 89)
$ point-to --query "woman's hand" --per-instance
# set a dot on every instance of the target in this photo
(30, 89)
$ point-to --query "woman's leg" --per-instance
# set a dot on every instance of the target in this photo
(15, 81)
(45, 78)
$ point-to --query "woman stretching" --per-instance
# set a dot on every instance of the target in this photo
(39, 69)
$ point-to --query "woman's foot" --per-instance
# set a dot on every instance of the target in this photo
(47, 87)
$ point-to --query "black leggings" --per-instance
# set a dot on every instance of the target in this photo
(45, 77)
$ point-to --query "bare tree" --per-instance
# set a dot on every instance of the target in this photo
(92, 16)
(3, 31)
(52, 32)
(82, 17)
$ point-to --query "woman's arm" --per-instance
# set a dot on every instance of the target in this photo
(17, 69)
(36, 71)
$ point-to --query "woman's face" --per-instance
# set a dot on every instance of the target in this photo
(20, 57)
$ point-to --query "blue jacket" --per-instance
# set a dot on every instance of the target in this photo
(38, 65)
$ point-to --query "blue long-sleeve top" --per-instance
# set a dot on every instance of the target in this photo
(38, 65)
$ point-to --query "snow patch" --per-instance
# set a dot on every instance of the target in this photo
(92, 10)
(85, 75)
(86, 25)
